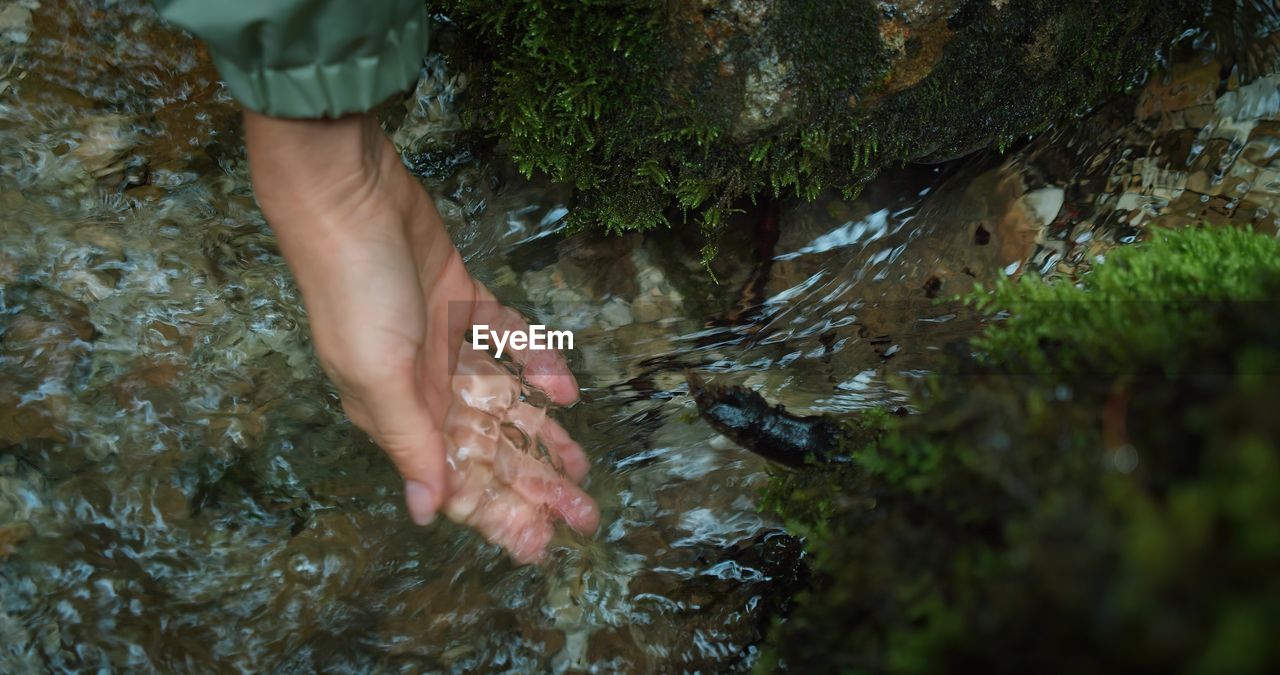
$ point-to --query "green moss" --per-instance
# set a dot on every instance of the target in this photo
(1177, 281)
(807, 32)
(654, 110)
(1100, 494)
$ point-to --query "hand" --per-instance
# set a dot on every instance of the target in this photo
(389, 301)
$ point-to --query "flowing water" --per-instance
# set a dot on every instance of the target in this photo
(179, 490)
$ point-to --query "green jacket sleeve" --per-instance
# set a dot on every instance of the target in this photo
(308, 58)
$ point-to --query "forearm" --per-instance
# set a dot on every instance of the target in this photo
(306, 164)
(323, 183)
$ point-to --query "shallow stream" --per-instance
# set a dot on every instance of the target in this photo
(179, 490)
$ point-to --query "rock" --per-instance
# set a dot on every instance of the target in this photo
(21, 422)
(102, 144)
(13, 534)
(1184, 86)
(1043, 205)
(503, 277)
(616, 312)
(698, 103)
(601, 265)
(15, 21)
(647, 309)
(734, 594)
(152, 384)
(747, 419)
(41, 350)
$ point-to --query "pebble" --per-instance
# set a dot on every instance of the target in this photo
(616, 312)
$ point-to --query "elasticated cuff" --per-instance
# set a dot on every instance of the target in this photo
(331, 89)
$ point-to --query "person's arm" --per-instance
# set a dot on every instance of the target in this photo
(389, 301)
(387, 295)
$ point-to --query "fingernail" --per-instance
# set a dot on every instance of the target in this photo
(421, 502)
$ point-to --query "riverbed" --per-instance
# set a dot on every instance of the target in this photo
(179, 490)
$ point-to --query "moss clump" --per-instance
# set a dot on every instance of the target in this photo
(645, 104)
(1101, 494)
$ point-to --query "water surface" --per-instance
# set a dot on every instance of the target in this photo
(180, 492)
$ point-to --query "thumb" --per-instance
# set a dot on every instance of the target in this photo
(402, 425)
(422, 501)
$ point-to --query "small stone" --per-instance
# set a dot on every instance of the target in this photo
(13, 534)
(1044, 204)
(616, 312)
(15, 23)
(647, 310)
(450, 211)
(103, 143)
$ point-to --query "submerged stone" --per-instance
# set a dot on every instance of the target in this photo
(747, 419)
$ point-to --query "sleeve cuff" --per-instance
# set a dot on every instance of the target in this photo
(354, 85)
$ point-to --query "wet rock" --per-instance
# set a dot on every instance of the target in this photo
(615, 312)
(431, 119)
(769, 430)
(614, 648)
(151, 385)
(1204, 154)
(102, 143)
(569, 307)
(42, 351)
(504, 277)
(1186, 85)
(12, 535)
(600, 264)
(1013, 220)
(22, 421)
(648, 309)
(876, 279)
(714, 100)
(656, 298)
(15, 20)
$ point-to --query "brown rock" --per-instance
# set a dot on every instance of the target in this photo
(21, 422)
(601, 264)
(13, 534)
(1188, 85)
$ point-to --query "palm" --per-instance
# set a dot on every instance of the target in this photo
(479, 433)
(510, 466)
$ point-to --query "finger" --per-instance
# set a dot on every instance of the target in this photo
(483, 383)
(470, 486)
(497, 513)
(545, 369)
(566, 454)
(395, 414)
(472, 434)
(572, 458)
(564, 499)
(539, 484)
(515, 525)
(527, 418)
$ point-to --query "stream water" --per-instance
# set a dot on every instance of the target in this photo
(179, 490)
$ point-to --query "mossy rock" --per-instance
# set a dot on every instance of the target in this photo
(1100, 492)
(657, 110)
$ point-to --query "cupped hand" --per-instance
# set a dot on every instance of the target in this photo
(390, 301)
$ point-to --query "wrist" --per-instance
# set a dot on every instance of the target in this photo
(332, 187)
(316, 166)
